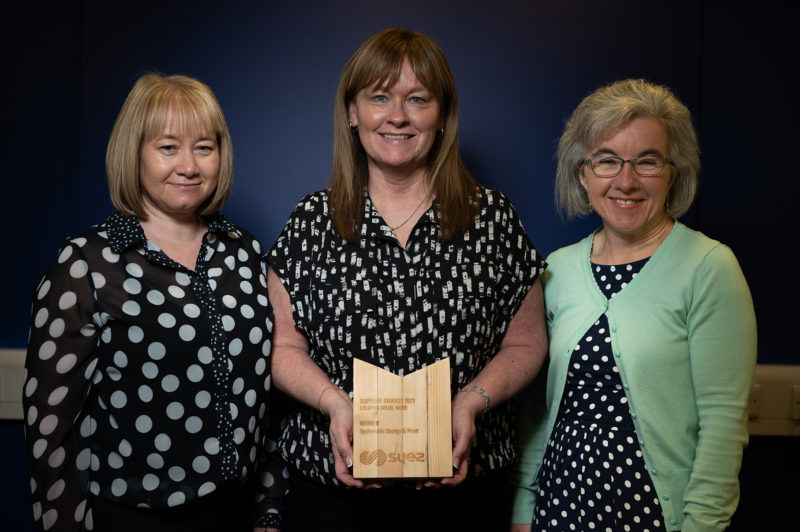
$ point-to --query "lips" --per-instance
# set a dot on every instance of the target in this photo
(625, 202)
(388, 136)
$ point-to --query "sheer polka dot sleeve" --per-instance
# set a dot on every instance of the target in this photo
(60, 363)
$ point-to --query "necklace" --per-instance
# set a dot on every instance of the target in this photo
(393, 229)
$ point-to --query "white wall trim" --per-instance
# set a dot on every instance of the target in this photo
(12, 375)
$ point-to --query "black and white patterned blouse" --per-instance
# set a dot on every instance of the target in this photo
(402, 309)
(147, 383)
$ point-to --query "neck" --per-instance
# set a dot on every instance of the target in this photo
(179, 239)
(610, 247)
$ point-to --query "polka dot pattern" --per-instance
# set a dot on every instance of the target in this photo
(403, 308)
(132, 380)
(593, 476)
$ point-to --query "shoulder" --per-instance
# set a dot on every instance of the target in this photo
(490, 199)
(569, 254)
(224, 228)
(311, 204)
(692, 248)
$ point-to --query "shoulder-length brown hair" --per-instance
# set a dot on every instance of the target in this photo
(379, 61)
(143, 115)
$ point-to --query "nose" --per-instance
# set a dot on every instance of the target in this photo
(627, 179)
(187, 164)
(398, 114)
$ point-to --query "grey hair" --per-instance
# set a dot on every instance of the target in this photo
(601, 114)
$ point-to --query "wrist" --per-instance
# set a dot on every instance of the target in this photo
(477, 398)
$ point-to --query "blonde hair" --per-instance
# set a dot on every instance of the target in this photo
(601, 114)
(154, 97)
(379, 61)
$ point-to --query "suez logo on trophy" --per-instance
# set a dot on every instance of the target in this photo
(402, 425)
(367, 458)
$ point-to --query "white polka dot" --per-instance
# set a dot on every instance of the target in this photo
(245, 272)
(202, 399)
(261, 366)
(176, 291)
(155, 460)
(176, 473)
(132, 286)
(78, 269)
(150, 370)
(194, 373)
(144, 424)
(191, 310)
(211, 446)
(150, 482)
(119, 399)
(131, 308)
(193, 424)
(57, 457)
(162, 442)
(145, 393)
(205, 355)
(39, 447)
(47, 349)
(155, 297)
(235, 347)
(135, 334)
(134, 270)
(57, 395)
(48, 425)
(125, 448)
(170, 383)
(82, 460)
(205, 489)
(246, 287)
(228, 323)
(238, 386)
(176, 499)
(114, 460)
(182, 279)
(186, 333)
(109, 255)
(49, 518)
(201, 464)
(175, 410)
(166, 320)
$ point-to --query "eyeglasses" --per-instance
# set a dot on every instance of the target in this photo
(643, 165)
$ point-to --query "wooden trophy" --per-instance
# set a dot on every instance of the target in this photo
(401, 425)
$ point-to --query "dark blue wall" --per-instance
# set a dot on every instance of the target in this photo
(521, 67)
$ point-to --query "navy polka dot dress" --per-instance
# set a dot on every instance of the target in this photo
(593, 476)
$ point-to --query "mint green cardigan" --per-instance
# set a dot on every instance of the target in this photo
(683, 334)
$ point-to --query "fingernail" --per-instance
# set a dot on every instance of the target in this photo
(349, 462)
(455, 464)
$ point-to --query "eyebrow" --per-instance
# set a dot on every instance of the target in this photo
(608, 151)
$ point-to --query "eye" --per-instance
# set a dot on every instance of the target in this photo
(206, 148)
(648, 162)
(168, 148)
(419, 100)
(605, 162)
(378, 98)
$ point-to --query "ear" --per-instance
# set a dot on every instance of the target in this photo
(582, 177)
(351, 114)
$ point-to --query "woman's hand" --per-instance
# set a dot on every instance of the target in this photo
(520, 528)
(466, 407)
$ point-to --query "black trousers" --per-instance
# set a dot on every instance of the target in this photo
(226, 509)
(480, 504)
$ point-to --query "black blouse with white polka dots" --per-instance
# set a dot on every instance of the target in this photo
(593, 476)
(147, 383)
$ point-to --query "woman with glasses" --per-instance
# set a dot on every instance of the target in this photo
(642, 417)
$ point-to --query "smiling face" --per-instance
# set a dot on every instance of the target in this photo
(631, 206)
(397, 125)
(178, 171)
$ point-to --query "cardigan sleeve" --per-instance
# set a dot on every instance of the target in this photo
(532, 439)
(722, 350)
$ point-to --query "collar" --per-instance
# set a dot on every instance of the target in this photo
(374, 226)
(125, 231)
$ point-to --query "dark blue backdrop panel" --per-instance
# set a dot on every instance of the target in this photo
(521, 67)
